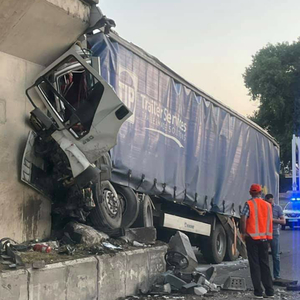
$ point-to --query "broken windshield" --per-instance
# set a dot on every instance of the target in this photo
(73, 93)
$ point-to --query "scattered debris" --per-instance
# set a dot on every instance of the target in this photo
(176, 260)
(84, 234)
(13, 254)
(144, 235)
(210, 274)
(111, 246)
(175, 282)
(42, 248)
(188, 288)
(161, 289)
(234, 284)
(181, 277)
(137, 244)
(66, 249)
(200, 291)
(97, 249)
(39, 264)
(77, 241)
(53, 244)
(181, 243)
(212, 287)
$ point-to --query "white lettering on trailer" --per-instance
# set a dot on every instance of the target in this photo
(184, 224)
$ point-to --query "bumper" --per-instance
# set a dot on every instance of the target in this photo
(292, 221)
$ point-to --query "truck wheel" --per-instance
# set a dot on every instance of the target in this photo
(130, 204)
(108, 211)
(229, 256)
(214, 247)
(145, 215)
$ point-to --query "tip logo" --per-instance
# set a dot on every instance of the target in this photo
(127, 91)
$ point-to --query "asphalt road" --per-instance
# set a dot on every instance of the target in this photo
(290, 269)
(290, 248)
(290, 260)
(290, 265)
(290, 257)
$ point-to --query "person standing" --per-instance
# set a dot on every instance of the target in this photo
(278, 219)
(257, 227)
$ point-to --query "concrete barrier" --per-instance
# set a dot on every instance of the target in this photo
(14, 285)
(106, 277)
(112, 276)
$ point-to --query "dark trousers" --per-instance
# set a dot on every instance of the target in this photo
(258, 257)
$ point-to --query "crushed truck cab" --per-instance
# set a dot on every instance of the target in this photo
(74, 128)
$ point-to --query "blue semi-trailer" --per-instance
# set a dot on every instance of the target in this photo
(182, 160)
(183, 148)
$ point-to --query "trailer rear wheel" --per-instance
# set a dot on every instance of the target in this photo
(145, 216)
(108, 211)
(230, 256)
(213, 248)
(130, 204)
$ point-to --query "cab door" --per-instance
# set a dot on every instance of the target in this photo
(85, 108)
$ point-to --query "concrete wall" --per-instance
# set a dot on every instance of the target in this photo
(24, 214)
(33, 33)
(105, 277)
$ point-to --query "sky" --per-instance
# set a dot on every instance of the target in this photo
(210, 43)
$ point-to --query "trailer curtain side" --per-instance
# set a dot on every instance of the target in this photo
(179, 143)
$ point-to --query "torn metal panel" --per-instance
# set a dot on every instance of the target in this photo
(229, 228)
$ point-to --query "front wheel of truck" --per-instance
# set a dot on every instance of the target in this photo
(107, 214)
(213, 248)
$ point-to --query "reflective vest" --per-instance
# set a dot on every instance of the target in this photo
(260, 221)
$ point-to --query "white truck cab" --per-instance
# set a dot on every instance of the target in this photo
(74, 128)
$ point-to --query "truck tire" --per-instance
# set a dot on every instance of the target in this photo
(145, 215)
(229, 256)
(130, 204)
(214, 247)
(107, 214)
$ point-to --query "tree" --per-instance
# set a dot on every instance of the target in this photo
(273, 79)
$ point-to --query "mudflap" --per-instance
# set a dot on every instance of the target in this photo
(33, 170)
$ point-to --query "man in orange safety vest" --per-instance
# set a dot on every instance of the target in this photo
(257, 227)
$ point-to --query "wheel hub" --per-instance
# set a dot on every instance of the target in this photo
(111, 203)
(220, 244)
